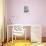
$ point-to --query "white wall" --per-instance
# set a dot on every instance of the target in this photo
(36, 15)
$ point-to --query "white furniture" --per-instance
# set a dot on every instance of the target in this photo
(36, 33)
(17, 30)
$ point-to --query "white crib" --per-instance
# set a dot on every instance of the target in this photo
(18, 30)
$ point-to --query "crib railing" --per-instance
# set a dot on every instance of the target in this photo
(18, 30)
(30, 32)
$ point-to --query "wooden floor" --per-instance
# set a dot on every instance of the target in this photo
(43, 39)
(23, 43)
(18, 43)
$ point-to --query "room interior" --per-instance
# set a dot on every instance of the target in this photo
(32, 20)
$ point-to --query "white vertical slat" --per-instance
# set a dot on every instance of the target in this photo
(7, 33)
(12, 34)
(25, 35)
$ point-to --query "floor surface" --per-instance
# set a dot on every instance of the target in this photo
(23, 43)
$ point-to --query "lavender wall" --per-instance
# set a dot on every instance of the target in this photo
(36, 14)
